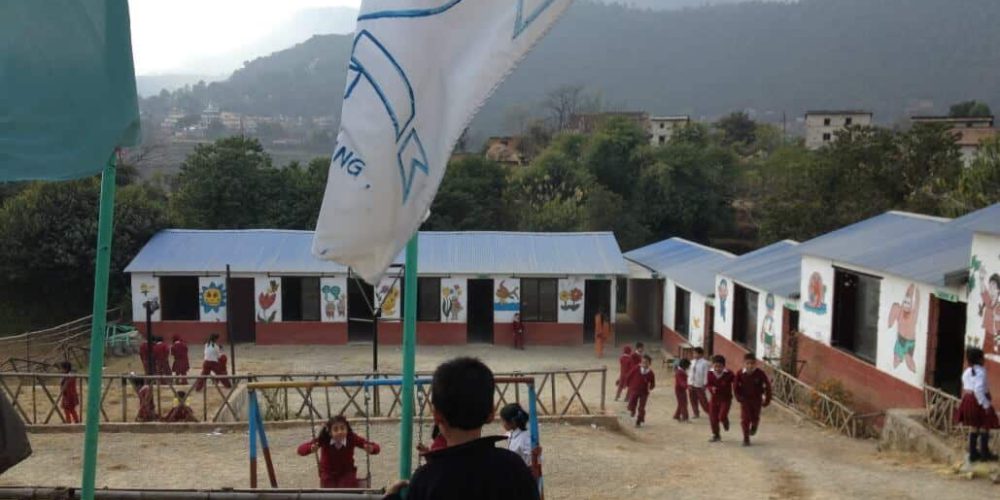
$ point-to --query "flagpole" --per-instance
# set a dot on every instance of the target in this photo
(105, 220)
(409, 357)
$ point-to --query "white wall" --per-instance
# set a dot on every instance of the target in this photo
(213, 298)
(145, 287)
(571, 299)
(506, 298)
(454, 300)
(984, 296)
(333, 299)
(696, 312)
(267, 291)
(816, 304)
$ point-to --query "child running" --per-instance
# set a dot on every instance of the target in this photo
(697, 380)
(624, 366)
(69, 397)
(752, 385)
(336, 444)
(681, 390)
(515, 422)
(640, 381)
(720, 387)
(181, 412)
(976, 410)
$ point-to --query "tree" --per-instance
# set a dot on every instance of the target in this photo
(470, 197)
(969, 108)
(737, 128)
(562, 103)
(979, 185)
(611, 155)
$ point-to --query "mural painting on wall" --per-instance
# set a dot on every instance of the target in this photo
(903, 315)
(506, 299)
(816, 302)
(696, 321)
(213, 297)
(148, 291)
(451, 302)
(335, 302)
(571, 299)
(388, 296)
(767, 327)
(266, 300)
(988, 308)
(723, 295)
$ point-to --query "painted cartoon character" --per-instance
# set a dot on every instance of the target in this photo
(389, 296)
(767, 327)
(336, 301)
(505, 294)
(817, 295)
(989, 310)
(904, 316)
(451, 303)
(723, 295)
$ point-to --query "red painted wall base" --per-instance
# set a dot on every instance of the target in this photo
(730, 350)
(671, 340)
(301, 333)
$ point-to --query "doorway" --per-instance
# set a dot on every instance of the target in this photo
(480, 317)
(596, 298)
(708, 342)
(950, 349)
(241, 311)
(360, 318)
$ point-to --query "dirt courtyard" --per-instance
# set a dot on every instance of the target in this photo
(664, 459)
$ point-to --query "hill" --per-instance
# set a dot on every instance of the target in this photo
(767, 57)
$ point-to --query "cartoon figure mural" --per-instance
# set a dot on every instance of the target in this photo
(506, 299)
(335, 302)
(451, 303)
(723, 295)
(571, 299)
(388, 296)
(816, 302)
(266, 300)
(767, 327)
(989, 305)
(903, 315)
(213, 297)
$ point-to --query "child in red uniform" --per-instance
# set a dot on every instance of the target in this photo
(681, 390)
(144, 357)
(624, 366)
(518, 327)
(179, 350)
(438, 442)
(752, 385)
(976, 410)
(720, 387)
(70, 399)
(161, 357)
(147, 407)
(336, 444)
(181, 412)
(640, 382)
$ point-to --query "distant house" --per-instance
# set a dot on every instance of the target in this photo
(970, 131)
(232, 121)
(505, 150)
(822, 126)
(662, 128)
(588, 123)
(210, 114)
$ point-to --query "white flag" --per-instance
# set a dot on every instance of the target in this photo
(419, 71)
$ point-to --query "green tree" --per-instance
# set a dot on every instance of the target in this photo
(611, 155)
(970, 108)
(737, 128)
(297, 194)
(471, 197)
(979, 185)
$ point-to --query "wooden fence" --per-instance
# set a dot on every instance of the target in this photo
(40, 350)
(36, 396)
(807, 401)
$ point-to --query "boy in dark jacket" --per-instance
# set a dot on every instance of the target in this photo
(471, 466)
(753, 391)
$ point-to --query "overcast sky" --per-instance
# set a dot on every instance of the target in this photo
(166, 34)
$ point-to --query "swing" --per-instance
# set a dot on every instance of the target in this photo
(367, 481)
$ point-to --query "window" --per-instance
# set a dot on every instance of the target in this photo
(682, 312)
(663, 139)
(429, 299)
(848, 121)
(745, 317)
(179, 298)
(855, 307)
(827, 137)
(826, 122)
(539, 300)
(299, 299)
(661, 124)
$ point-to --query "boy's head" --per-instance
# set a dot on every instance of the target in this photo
(627, 349)
(685, 364)
(698, 353)
(648, 360)
(750, 361)
(462, 393)
(718, 362)
(974, 356)
(640, 347)
(66, 367)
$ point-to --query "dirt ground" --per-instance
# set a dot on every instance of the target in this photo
(664, 459)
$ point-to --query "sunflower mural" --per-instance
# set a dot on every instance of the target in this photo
(213, 297)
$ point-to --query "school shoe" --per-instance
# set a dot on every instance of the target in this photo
(746, 441)
(725, 425)
(753, 430)
(715, 439)
(985, 455)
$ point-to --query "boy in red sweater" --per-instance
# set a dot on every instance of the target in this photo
(753, 391)
(179, 350)
(161, 357)
(70, 398)
(624, 366)
(640, 382)
(681, 390)
(720, 387)
(336, 444)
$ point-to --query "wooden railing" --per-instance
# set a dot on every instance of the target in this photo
(807, 401)
(40, 350)
(36, 396)
(939, 407)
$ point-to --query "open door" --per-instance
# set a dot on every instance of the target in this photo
(596, 298)
(709, 336)
(360, 300)
(947, 345)
(241, 310)
(480, 317)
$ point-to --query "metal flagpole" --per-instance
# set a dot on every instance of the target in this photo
(409, 358)
(105, 221)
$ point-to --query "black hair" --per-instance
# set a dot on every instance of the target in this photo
(213, 339)
(462, 391)
(435, 432)
(516, 415)
(640, 345)
(699, 350)
(325, 436)
(66, 366)
(181, 396)
(749, 357)
(137, 382)
(718, 358)
(685, 364)
(974, 356)
(649, 358)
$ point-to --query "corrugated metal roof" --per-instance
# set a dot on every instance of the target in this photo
(281, 251)
(986, 220)
(691, 265)
(775, 268)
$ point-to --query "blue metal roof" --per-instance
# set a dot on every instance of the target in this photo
(282, 251)
(691, 265)
(986, 220)
(775, 268)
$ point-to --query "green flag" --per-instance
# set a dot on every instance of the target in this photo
(68, 97)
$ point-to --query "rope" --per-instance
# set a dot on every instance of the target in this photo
(420, 421)
(358, 282)
(368, 456)
(312, 426)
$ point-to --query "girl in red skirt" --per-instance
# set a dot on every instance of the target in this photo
(336, 444)
(70, 397)
(976, 409)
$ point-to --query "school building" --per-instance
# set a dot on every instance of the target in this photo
(470, 285)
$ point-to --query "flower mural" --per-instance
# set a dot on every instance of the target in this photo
(388, 296)
(571, 299)
(213, 297)
(451, 303)
(266, 300)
